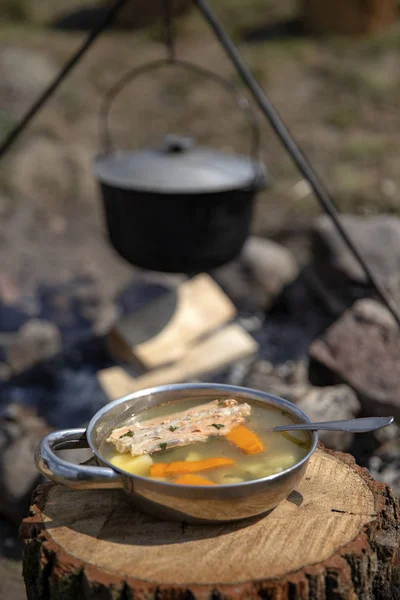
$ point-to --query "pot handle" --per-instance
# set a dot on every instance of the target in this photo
(240, 100)
(79, 477)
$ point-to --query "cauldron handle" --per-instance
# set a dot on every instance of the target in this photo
(240, 100)
(80, 477)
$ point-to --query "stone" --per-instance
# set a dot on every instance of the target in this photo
(339, 279)
(20, 432)
(331, 403)
(95, 305)
(385, 464)
(388, 434)
(289, 381)
(36, 341)
(362, 349)
(24, 73)
(264, 375)
(8, 289)
(378, 239)
(241, 288)
(5, 372)
(258, 276)
(273, 266)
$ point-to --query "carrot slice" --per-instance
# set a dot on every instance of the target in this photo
(192, 466)
(193, 480)
(246, 440)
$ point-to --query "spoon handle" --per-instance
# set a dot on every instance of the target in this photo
(351, 425)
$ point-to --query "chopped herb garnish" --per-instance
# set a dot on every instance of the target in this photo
(128, 434)
(163, 445)
(217, 425)
(172, 428)
(221, 402)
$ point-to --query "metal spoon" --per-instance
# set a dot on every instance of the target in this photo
(351, 425)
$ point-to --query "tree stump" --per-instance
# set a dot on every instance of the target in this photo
(348, 16)
(336, 537)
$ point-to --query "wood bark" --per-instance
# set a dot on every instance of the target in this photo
(336, 537)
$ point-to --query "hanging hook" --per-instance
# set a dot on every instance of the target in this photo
(169, 38)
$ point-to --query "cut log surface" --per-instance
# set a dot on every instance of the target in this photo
(336, 537)
(220, 349)
(199, 306)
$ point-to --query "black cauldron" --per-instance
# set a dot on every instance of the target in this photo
(178, 207)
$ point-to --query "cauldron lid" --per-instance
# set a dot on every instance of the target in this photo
(178, 167)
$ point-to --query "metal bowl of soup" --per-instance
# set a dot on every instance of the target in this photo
(250, 485)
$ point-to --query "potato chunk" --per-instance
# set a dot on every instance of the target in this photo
(137, 465)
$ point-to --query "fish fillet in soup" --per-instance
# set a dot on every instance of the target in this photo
(219, 442)
(197, 424)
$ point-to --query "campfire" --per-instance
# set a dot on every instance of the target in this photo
(269, 328)
(207, 302)
(260, 322)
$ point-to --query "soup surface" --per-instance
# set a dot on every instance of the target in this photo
(201, 442)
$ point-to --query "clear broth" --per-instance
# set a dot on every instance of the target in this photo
(282, 450)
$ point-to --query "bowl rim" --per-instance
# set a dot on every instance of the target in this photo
(235, 390)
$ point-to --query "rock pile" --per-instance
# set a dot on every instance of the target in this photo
(337, 275)
(332, 368)
(362, 349)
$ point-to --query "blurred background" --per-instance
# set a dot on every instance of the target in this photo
(338, 94)
(332, 73)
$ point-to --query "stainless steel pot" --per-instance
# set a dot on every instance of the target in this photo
(168, 500)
